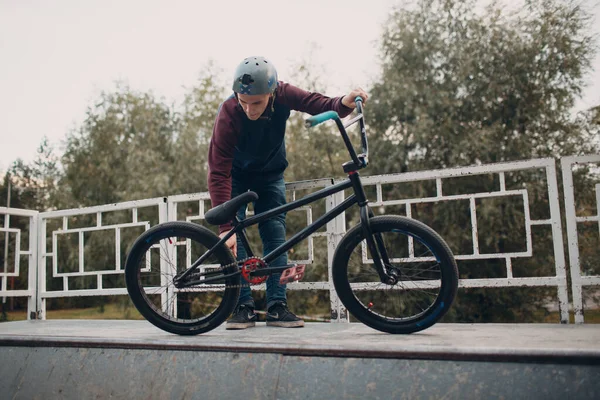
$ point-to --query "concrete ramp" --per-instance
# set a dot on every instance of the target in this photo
(78, 359)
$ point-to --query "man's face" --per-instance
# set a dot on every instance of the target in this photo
(254, 105)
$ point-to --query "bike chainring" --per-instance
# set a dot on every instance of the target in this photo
(251, 265)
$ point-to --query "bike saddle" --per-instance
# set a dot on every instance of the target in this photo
(225, 212)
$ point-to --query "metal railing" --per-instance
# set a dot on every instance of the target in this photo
(578, 281)
(49, 241)
(54, 273)
(558, 280)
(30, 253)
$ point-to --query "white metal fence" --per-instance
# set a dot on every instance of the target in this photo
(558, 279)
(50, 238)
(578, 281)
(23, 252)
(52, 273)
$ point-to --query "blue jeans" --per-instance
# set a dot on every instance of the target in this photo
(272, 234)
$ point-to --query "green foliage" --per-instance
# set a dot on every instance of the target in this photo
(196, 124)
(123, 150)
(460, 88)
(132, 145)
(34, 186)
(313, 153)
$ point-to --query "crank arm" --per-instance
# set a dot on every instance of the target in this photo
(268, 271)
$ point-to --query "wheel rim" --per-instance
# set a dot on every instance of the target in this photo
(161, 260)
(419, 279)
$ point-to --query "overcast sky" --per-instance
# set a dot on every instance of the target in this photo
(56, 56)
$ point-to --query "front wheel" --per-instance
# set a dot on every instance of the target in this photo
(419, 259)
(161, 253)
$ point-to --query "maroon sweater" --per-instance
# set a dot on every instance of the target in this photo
(249, 149)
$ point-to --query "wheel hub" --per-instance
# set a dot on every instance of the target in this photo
(392, 277)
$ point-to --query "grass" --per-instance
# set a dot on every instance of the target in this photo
(590, 317)
(109, 311)
(117, 311)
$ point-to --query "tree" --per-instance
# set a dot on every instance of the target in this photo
(35, 184)
(197, 117)
(123, 150)
(317, 152)
(133, 146)
(595, 118)
(459, 88)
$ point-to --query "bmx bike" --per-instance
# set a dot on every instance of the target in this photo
(392, 273)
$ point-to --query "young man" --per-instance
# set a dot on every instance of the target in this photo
(247, 152)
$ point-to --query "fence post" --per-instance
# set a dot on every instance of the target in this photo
(33, 268)
(577, 281)
(41, 269)
(335, 231)
(559, 251)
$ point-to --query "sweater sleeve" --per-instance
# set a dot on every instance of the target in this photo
(220, 158)
(310, 102)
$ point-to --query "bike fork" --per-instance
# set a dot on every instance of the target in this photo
(376, 247)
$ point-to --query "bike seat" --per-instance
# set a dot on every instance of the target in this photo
(225, 212)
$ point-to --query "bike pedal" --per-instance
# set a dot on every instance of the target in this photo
(292, 274)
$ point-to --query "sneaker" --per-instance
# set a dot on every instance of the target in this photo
(279, 315)
(243, 317)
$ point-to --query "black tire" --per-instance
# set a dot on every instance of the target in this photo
(404, 307)
(188, 311)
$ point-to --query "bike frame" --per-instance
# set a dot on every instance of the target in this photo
(374, 243)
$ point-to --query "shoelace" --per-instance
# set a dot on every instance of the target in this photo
(240, 308)
(284, 311)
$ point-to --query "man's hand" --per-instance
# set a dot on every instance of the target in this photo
(231, 242)
(348, 100)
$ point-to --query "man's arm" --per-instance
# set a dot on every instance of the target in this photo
(220, 157)
(316, 103)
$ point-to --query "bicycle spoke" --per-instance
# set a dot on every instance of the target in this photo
(418, 280)
(169, 257)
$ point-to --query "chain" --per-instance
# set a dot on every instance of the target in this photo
(224, 267)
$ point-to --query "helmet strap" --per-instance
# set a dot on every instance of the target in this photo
(271, 108)
(273, 103)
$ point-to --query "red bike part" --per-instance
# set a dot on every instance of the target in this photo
(251, 265)
(292, 274)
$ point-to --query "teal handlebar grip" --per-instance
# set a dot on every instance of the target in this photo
(319, 118)
(358, 98)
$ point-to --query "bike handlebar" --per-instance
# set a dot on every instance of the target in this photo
(320, 118)
(359, 161)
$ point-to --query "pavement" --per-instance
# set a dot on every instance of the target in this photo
(462, 342)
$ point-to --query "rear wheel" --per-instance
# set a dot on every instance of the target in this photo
(161, 253)
(420, 260)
